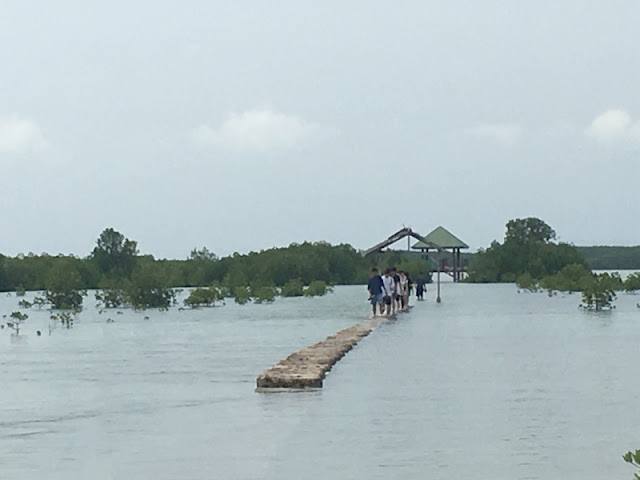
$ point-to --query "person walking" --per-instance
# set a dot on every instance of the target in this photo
(397, 291)
(404, 291)
(388, 285)
(421, 283)
(375, 286)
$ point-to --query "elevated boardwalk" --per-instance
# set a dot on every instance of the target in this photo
(308, 367)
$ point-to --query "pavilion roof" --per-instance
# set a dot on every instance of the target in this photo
(399, 235)
(441, 237)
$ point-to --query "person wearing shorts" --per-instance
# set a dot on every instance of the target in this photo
(375, 287)
(388, 286)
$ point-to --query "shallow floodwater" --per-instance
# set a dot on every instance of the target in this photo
(491, 384)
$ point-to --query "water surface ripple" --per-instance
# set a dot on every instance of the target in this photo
(489, 384)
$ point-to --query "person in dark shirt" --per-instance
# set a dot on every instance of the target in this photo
(397, 293)
(421, 283)
(375, 287)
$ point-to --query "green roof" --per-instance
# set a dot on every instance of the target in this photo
(441, 237)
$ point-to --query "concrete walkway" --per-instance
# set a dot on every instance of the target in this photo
(308, 367)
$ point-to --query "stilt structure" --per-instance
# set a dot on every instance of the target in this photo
(445, 240)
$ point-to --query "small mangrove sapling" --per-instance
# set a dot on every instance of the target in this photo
(18, 319)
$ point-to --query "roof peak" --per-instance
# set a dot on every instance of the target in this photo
(442, 237)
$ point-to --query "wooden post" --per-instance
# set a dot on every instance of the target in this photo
(438, 299)
(453, 257)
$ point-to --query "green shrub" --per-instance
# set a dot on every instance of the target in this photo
(17, 319)
(264, 293)
(204, 297)
(632, 283)
(241, 295)
(571, 278)
(316, 288)
(600, 293)
(634, 459)
(527, 282)
(149, 288)
(293, 288)
(112, 293)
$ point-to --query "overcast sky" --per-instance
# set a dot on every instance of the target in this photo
(245, 125)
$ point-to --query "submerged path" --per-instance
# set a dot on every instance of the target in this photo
(308, 367)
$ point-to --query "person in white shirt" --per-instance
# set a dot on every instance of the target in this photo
(388, 291)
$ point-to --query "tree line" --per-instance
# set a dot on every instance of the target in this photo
(611, 257)
(528, 248)
(529, 257)
(122, 275)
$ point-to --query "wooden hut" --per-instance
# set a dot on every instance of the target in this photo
(447, 241)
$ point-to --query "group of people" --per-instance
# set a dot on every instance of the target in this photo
(390, 292)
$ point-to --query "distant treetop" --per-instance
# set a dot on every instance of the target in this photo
(531, 229)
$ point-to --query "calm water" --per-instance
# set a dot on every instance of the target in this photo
(489, 384)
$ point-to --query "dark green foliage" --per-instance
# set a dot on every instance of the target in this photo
(202, 254)
(527, 249)
(306, 261)
(531, 229)
(527, 282)
(204, 297)
(572, 278)
(600, 292)
(632, 282)
(611, 257)
(293, 288)
(634, 459)
(113, 261)
(149, 287)
(112, 293)
(262, 293)
(488, 266)
(235, 277)
(114, 254)
(5, 281)
(20, 291)
(198, 269)
(316, 288)
(111, 264)
(65, 288)
(241, 295)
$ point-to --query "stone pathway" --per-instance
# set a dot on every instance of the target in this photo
(308, 367)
